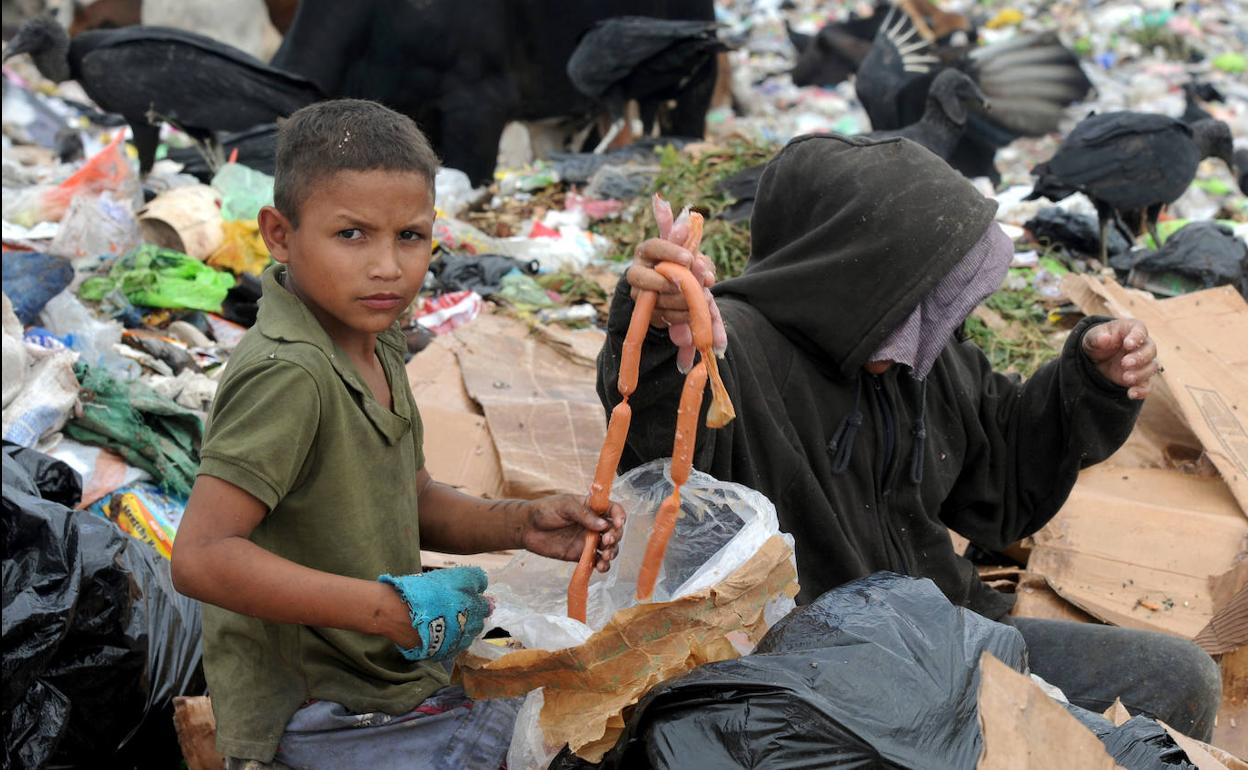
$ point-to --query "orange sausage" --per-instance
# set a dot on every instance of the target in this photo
(695, 298)
(599, 502)
(687, 423)
(656, 547)
(578, 586)
(609, 457)
(630, 353)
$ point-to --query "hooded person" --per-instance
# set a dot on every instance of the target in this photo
(872, 428)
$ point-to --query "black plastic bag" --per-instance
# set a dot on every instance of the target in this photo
(1207, 252)
(242, 303)
(481, 273)
(96, 641)
(1139, 743)
(1077, 233)
(882, 672)
(879, 673)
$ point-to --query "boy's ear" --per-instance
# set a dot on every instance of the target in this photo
(276, 230)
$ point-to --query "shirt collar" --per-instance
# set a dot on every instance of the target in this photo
(283, 316)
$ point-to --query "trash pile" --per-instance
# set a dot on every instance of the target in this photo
(125, 293)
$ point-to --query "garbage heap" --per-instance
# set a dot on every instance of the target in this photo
(123, 297)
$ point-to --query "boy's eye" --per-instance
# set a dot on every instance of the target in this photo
(410, 235)
(351, 234)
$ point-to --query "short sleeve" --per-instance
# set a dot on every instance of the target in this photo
(263, 424)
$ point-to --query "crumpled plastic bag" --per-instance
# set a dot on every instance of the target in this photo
(154, 277)
(881, 672)
(96, 641)
(242, 250)
(109, 170)
(1207, 252)
(94, 226)
(720, 526)
(31, 278)
(244, 191)
(727, 575)
(40, 389)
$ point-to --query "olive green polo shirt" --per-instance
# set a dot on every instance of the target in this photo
(296, 426)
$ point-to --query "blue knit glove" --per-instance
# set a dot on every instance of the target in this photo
(447, 608)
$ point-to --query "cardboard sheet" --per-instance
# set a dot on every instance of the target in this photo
(1231, 731)
(540, 403)
(1136, 547)
(1228, 628)
(1024, 729)
(1200, 342)
(459, 449)
(588, 687)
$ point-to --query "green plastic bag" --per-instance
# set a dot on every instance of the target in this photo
(154, 277)
(244, 191)
(148, 430)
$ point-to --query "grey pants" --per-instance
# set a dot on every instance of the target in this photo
(448, 731)
(1161, 676)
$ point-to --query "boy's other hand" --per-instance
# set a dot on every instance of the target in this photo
(446, 609)
(555, 527)
(1124, 353)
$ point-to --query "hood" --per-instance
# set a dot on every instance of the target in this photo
(848, 235)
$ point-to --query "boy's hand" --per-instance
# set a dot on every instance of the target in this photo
(446, 608)
(1124, 353)
(555, 527)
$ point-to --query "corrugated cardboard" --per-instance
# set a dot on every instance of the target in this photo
(588, 687)
(1200, 342)
(459, 449)
(1024, 729)
(541, 404)
(1136, 547)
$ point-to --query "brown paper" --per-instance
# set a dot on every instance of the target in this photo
(1136, 547)
(588, 687)
(1025, 729)
(1200, 342)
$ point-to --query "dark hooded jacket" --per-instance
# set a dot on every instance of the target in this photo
(867, 472)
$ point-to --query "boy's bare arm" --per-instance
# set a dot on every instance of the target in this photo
(214, 562)
(554, 526)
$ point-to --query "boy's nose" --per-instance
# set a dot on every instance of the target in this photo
(386, 264)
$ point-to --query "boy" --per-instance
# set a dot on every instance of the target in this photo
(302, 535)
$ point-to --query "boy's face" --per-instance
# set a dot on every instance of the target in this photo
(361, 251)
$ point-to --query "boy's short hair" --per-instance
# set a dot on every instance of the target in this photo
(344, 135)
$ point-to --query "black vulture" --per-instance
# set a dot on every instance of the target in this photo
(1194, 94)
(949, 102)
(153, 74)
(1030, 80)
(257, 149)
(647, 59)
(835, 52)
(1241, 169)
(1130, 164)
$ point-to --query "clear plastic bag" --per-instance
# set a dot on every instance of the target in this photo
(721, 526)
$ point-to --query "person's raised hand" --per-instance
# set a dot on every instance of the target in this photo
(670, 310)
(1124, 354)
